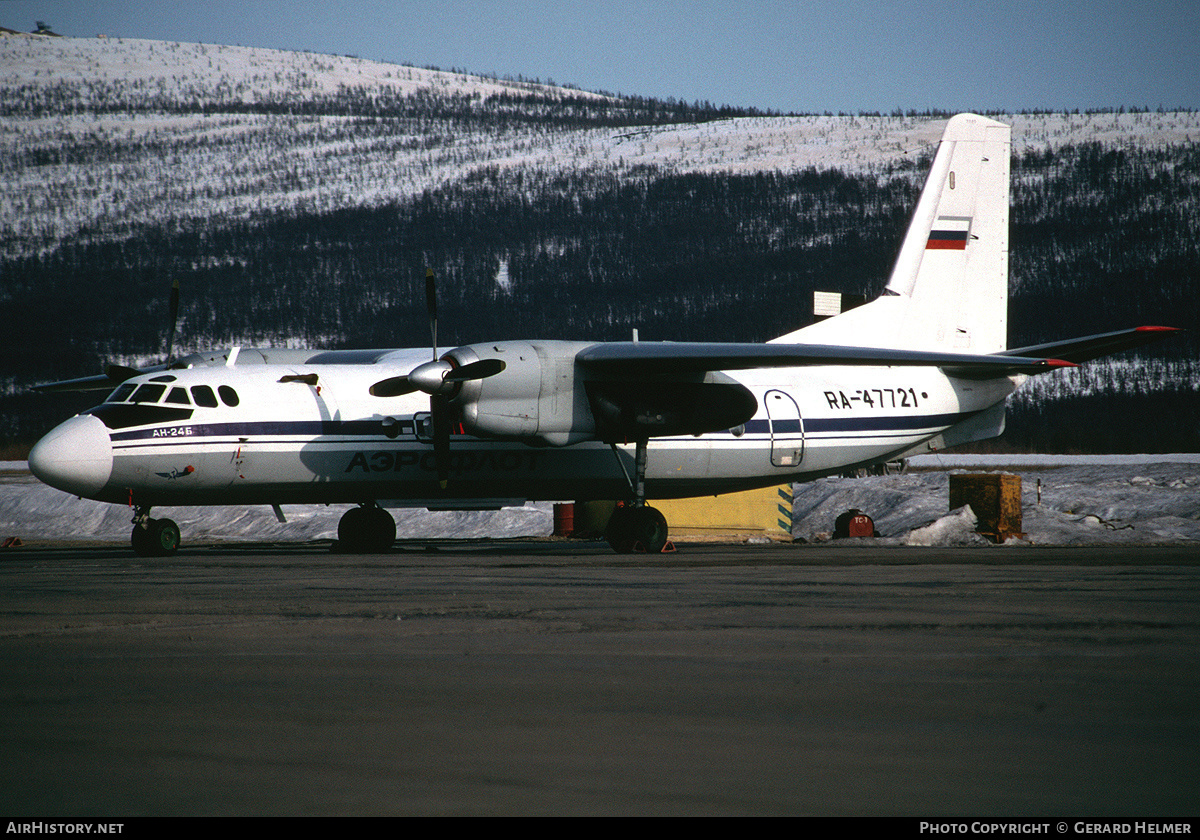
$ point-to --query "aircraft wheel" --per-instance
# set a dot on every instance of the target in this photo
(636, 529)
(160, 539)
(140, 538)
(619, 531)
(366, 529)
(352, 529)
(382, 529)
(650, 529)
(165, 537)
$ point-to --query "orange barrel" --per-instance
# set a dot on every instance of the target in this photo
(564, 519)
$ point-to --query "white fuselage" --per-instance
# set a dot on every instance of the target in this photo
(289, 439)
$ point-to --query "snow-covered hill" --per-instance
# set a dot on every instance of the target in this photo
(101, 69)
(101, 136)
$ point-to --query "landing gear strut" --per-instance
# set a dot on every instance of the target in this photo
(153, 537)
(636, 526)
(366, 529)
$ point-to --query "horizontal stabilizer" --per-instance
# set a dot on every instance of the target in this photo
(645, 358)
(1090, 347)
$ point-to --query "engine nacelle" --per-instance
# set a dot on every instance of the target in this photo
(536, 397)
(544, 397)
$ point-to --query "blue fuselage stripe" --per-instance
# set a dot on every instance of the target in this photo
(372, 430)
(818, 425)
(278, 428)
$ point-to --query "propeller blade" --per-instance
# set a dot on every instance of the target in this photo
(396, 386)
(431, 307)
(119, 373)
(481, 369)
(116, 374)
(173, 309)
(439, 407)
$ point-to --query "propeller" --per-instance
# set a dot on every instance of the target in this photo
(439, 378)
(173, 308)
(117, 374)
(431, 306)
(436, 378)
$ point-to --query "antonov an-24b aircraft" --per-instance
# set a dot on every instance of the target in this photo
(922, 367)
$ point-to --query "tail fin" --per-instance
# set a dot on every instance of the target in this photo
(949, 288)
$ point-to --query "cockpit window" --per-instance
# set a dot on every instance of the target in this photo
(178, 396)
(204, 396)
(228, 395)
(122, 393)
(148, 393)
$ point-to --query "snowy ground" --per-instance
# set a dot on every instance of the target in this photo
(1066, 500)
(1133, 500)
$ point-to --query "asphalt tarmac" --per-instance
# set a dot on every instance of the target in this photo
(551, 678)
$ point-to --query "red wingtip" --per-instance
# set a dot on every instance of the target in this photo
(1157, 329)
(1057, 363)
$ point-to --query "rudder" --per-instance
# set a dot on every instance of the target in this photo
(949, 287)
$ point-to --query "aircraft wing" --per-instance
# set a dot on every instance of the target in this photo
(654, 358)
(1094, 346)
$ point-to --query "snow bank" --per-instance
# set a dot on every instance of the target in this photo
(32, 511)
(956, 528)
(1066, 500)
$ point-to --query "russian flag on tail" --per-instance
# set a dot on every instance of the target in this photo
(950, 233)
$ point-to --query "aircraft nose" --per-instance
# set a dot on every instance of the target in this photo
(75, 456)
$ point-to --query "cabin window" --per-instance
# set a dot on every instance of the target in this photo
(149, 393)
(122, 393)
(204, 396)
(178, 396)
(228, 395)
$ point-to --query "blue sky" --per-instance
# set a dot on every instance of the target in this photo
(787, 56)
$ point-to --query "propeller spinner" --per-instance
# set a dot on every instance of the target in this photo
(439, 377)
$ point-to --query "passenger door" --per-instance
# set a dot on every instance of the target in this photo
(787, 429)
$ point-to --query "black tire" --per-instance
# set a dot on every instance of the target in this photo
(141, 541)
(161, 538)
(382, 529)
(363, 530)
(352, 530)
(619, 531)
(650, 530)
(637, 529)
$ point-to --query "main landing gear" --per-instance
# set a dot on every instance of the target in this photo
(366, 529)
(635, 526)
(153, 537)
(637, 529)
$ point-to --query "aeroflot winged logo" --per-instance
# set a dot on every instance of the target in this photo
(950, 233)
(173, 474)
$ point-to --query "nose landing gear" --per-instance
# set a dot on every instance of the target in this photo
(153, 537)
